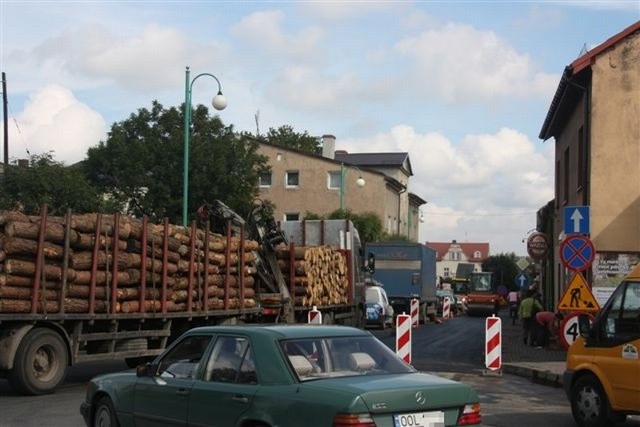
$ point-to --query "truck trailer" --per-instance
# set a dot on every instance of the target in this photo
(95, 287)
(407, 271)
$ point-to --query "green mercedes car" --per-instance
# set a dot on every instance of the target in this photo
(278, 375)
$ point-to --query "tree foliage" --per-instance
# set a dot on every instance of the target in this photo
(140, 165)
(46, 181)
(287, 137)
(504, 268)
(368, 224)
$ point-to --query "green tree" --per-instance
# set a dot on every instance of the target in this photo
(287, 137)
(504, 268)
(368, 224)
(140, 165)
(46, 181)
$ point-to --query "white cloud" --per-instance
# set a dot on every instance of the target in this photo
(264, 31)
(147, 62)
(459, 63)
(486, 188)
(53, 120)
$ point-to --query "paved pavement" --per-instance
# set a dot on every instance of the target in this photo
(544, 365)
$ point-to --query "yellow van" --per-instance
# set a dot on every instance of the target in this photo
(602, 379)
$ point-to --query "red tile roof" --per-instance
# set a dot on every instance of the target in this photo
(469, 249)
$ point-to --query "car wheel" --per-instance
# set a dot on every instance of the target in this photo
(40, 364)
(589, 404)
(105, 414)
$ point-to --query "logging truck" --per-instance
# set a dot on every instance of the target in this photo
(94, 287)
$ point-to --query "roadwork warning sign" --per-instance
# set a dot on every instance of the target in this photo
(578, 296)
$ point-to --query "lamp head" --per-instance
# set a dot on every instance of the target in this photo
(219, 101)
(360, 182)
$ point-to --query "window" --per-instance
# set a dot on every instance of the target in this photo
(446, 272)
(292, 216)
(183, 360)
(557, 180)
(335, 180)
(231, 361)
(477, 254)
(292, 179)
(581, 159)
(265, 179)
(565, 186)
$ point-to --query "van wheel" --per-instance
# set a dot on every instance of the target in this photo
(40, 364)
(589, 404)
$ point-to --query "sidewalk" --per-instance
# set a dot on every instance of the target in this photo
(544, 365)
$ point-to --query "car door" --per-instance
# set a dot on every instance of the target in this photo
(618, 357)
(228, 384)
(162, 399)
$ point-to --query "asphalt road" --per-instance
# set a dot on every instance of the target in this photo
(453, 350)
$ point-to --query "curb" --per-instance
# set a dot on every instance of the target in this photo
(535, 375)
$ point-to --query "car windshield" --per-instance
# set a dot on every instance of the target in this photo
(314, 358)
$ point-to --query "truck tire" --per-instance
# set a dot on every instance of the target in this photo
(40, 364)
(589, 404)
(105, 414)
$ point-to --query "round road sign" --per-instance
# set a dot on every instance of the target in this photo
(577, 252)
(569, 330)
(537, 245)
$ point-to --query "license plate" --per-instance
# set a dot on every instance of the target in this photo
(419, 419)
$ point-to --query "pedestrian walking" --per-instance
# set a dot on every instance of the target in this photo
(513, 297)
(529, 306)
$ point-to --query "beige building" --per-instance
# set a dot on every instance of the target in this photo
(595, 120)
(300, 183)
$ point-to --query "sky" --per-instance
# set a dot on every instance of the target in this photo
(462, 86)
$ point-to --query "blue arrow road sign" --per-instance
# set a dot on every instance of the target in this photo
(523, 281)
(576, 220)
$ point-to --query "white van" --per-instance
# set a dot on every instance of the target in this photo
(378, 310)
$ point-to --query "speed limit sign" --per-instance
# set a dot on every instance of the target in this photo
(569, 329)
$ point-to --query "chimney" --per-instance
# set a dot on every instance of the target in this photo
(328, 146)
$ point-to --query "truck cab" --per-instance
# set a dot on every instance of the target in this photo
(602, 378)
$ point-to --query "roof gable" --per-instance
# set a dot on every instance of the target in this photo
(470, 250)
(399, 160)
(575, 77)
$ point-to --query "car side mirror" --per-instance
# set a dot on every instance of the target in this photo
(146, 370)
(371, 263)
(584, 325)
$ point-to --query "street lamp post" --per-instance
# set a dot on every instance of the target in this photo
(219, 103)
(359, 182)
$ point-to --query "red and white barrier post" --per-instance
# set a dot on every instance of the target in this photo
(415, 312)
(446, 308)
(493, 343)
(314, 316)
(403, 337)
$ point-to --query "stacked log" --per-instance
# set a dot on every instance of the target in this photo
(119, 264)
(320, 276)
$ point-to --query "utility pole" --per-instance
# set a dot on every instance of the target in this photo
(6, 120)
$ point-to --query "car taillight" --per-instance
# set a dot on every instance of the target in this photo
(353, 420)
(470, 415)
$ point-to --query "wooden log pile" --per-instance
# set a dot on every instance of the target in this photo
(320, 275)
(119, 264)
